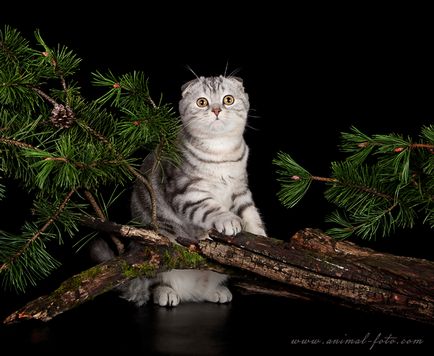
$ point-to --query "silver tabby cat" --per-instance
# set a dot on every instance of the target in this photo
(208, 190)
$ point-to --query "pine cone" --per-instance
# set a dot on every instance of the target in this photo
(62, 116)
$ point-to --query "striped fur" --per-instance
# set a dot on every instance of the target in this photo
(209, 189)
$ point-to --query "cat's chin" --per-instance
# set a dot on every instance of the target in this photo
(218, 126)
(224, 128)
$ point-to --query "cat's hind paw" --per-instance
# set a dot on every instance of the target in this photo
(166, 297)
(220, 295)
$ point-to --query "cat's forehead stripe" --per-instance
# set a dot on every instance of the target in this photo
(214, 84)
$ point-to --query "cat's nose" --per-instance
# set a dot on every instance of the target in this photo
(216, 110)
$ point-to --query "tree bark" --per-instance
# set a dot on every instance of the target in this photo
(310, 266)
(145, 262)
(342, 271)
(77, 290)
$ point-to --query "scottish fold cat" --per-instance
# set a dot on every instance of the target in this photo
(208, 190)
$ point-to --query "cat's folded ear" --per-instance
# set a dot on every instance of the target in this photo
(237, 81)
(184, 87)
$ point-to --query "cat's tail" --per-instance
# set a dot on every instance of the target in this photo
(136, 290)
(100, 251)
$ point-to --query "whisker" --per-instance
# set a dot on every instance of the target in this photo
(252, 115)
(251, 127)
(234, 72)
(192, 71)
(226, 68)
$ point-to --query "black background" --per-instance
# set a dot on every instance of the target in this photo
(310, 72)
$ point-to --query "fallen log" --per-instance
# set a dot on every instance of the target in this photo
(349, 274)
(311, 265)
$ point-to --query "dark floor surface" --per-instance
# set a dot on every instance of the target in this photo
(249, 325)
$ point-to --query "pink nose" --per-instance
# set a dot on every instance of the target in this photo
(216, 110)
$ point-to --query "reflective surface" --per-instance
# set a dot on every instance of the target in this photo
(250, 324)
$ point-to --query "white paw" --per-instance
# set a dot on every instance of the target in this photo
(220, 295)
(166, 296)
(228, 224)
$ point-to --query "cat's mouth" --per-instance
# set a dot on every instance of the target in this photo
(217, 125)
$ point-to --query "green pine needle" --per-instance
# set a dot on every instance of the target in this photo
(386, 183)
(81, 145)
(345, 230)
(129, 91)
(427, 134)
(14, 48)
(24, 260)
(2, 190)
(294, 180)
(359, 145)
(60, 61)
(356, 186)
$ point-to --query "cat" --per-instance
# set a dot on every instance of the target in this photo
(207, 190)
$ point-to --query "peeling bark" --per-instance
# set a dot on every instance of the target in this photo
(400, 286)
(146, 262)
(310, 266)
(77, 290)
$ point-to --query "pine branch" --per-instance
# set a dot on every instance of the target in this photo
(62, 61)
(295, 180)
(45, 96)
(13, 47)
(52, 140)
(17, 143)
(53, 218)
(128, 91)
(427, 146)
(38, 233)
(118, 243)
(324, 179)
(386, 183)
(2, 187)
(25, 258)
(153, 199)
(135, 173)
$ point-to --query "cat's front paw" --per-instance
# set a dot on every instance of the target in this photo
(166, 297)
(220, 295)
(228, 224)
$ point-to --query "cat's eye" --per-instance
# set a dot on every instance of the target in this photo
(202, 102)
(228, 100)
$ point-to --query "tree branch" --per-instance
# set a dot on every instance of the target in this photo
(127, 231)
(145, 181)
(19, 144)
(44, 95)
(98, 211)
(311, 266)
(36, 236)
(423, 145)
(395, 285)
(133, 171)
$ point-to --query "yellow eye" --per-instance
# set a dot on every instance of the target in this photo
(202, 102)
(228, 100)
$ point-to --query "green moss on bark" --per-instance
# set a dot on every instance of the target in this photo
(78, 280)
(181, 257)
(144, 269)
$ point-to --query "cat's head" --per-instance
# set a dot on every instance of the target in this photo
(214, 106)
